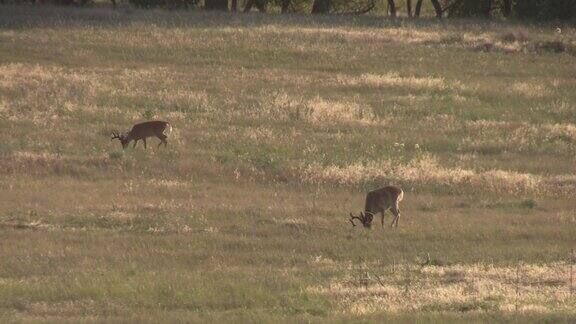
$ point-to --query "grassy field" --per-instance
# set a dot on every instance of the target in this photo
(281, 125)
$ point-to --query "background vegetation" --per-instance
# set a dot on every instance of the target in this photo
(281, 125)
(533, 10)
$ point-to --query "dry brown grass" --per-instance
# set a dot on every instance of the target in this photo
(317, 111)
(395, 80)
(530, 289)
(427, 170)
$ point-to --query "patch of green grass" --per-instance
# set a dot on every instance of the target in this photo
(116, 155)
(528, 203)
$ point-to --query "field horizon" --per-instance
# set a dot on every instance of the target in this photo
(281, 125)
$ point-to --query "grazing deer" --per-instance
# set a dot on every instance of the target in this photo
(379, 201)
(141, 131)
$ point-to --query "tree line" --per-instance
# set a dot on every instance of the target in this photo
(521, 9)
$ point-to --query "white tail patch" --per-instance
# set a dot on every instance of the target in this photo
(168, 129)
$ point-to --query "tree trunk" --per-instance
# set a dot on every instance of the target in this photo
(285, 6)
(391, 8)
(248, 6)
(437, 8)
(216, 5)
(321, 6)
(507, 10)
(418, 8)
(409, 8)
(234, 5)
(487, 8)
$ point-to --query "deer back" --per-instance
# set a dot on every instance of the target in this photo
(148, 129)
(382, 199)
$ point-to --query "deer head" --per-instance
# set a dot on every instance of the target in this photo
(364, 218)
(123, 138)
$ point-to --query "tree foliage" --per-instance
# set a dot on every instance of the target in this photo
(470, 8)
(169, 4)
(536, 10)
(545, 9)
(522, 9)
(216, 5)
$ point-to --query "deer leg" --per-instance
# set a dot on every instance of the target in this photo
(382, 217)
(162, 138)
(144, 140)
(396, 213)
(135, 141)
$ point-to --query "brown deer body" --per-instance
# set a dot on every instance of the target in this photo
(141, 131)
(379, 201)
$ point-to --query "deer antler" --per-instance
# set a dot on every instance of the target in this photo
(352, 217)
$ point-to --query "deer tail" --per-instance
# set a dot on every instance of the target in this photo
(168, 129)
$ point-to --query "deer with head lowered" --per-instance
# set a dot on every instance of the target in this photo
(379, 201)
(141, 131)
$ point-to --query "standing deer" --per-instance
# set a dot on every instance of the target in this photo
(141, 131)
(379, 201)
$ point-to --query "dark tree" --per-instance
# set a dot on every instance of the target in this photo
(435, 3)
(352, 7)
(418, 8)
(248, 6)
(285, 6)
(476, 8)
(545, 9)
(487, 8)
(321, 6)
(437, 8)
(507, 8)
(216, 5)
(234, 5)
(392, 8)
(259, 4)
(409, 8)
